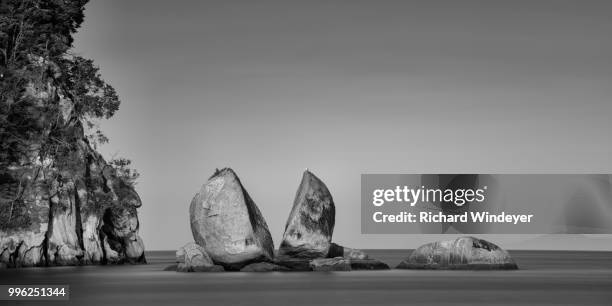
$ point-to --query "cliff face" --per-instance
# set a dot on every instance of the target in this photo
(70, 209)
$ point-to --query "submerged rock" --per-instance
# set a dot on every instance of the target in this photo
(464, 253)
(264, 267)
(310, 225)
(227, 224)
(331, 264)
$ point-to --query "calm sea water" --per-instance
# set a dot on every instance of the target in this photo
(546, 277)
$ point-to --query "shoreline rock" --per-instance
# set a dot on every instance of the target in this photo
(78, 215)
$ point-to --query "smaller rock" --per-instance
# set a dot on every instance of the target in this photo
(336, 250)
(193, 258)
(368, 264)
(331, 264)
(464, 253)
(264, 267)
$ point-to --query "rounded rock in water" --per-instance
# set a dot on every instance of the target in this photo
(464, 253)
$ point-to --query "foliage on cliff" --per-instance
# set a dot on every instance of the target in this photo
(48, 97)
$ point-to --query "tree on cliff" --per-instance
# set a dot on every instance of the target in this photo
(38, 75)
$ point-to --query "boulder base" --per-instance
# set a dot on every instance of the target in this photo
(465, 253)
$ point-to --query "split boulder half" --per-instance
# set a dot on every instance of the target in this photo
(306, 244)
(228, 225)
(309, 229)
(464, 253)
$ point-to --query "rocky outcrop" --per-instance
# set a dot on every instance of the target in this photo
(464, 253)
(226, 222)
(67, 208)
(193, 258)
(230, 231)
(309, 229)
(87, 216)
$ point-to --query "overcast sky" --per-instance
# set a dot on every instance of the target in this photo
(349, 87)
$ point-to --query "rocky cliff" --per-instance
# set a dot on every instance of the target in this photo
(66, 208)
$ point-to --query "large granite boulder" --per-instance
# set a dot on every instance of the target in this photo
(227, 224)
(464, 253)
(193, 258)
(310, 225)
